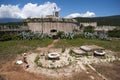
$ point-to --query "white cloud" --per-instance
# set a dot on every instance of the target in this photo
(87, 14)
(28, 10)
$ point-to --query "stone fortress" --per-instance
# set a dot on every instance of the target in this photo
(52, 24)
(97, 28)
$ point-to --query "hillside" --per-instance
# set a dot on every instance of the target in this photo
(6, 20)
(108, 20)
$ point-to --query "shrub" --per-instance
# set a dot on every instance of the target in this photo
(79, 36)
(59, 34)
(14, 37)
(89, 29)
(68, 35)
(37, 59)
(33, 35)
(114, 33)
(96, 36)
(7, 37)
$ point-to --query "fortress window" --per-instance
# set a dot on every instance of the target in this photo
(53, 30)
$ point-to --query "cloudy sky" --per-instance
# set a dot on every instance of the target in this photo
(67, 8)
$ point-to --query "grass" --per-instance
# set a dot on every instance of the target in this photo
(37, 59)
(112, 45)
(9, 49)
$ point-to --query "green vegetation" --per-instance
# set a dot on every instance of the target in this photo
(114, 33)
(14, 24)
(60, 33)
(96, 36)
(24, 36)
(71, 53)
(88, 54)
(112, 45)
(63, 50)
(9, 49)
(110, 20)
(105, 56)
(33, 36)
(37, 59)
(89, 29)
(7, 37)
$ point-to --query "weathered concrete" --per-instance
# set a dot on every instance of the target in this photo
(46, 25)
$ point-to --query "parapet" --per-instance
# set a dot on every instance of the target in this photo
(49, 19)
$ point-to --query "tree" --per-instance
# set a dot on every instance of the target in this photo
(114, 33)
(89, 29)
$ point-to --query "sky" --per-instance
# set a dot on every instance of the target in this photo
(66, 8)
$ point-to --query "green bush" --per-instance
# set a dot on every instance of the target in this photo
(33, 35)
(79, 36)
(37, 59)
(114, 33)
(14, 37)
(96, 36)
(7, 37)
(89, 29)
(59, 34)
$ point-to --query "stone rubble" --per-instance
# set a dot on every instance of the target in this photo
(66, 65)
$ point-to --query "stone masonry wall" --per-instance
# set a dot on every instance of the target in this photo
(46, 27)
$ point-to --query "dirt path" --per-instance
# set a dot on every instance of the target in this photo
(44, 49)
(52, 45)
(10, 71)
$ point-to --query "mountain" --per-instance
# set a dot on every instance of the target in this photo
(107, 20)
(6, 20)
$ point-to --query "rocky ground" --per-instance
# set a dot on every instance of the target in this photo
(79, 64)
(97, 69)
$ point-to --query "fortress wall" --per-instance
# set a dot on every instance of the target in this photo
(35, 26)
(48, 26)
(104, 28)
(89, 24)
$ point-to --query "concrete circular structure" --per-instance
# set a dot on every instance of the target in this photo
(99, 52)
(55, 60)
(53, 55)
